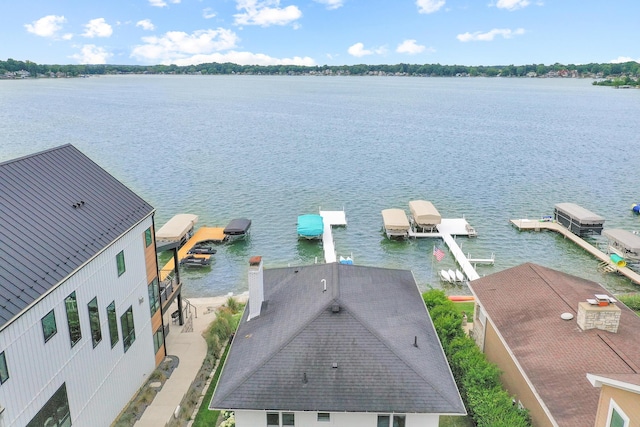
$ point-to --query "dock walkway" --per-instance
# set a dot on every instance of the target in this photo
(330, 219)
(537, 225)
(203, 234)
(457, 227)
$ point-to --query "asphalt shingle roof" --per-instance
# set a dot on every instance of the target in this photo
(43, 236)
(283, 359)
(525, 303)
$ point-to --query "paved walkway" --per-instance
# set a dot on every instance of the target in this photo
(191, 349)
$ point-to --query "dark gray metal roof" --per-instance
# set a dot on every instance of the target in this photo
(371, 339)
(58, 210)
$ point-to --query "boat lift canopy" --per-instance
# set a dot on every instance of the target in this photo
(177, 228)
(424, 213)
(395, 220)
(237, 227)
(623, 239)
(310, 225)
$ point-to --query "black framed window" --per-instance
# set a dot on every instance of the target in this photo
(49, 327)
(128, 330)
(55, 412)
(120, 263)
(288, 419)
(154, 297)
(94, 322)
(112, 320)
(148, 238)
(324, 416)
(273, 419)
(158, 340)
(73, 318)
(4, 371)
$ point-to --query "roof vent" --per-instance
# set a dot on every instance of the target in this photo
(415, 341)
(304, 378)
(566, 316)
(335, 308)
(335, 365)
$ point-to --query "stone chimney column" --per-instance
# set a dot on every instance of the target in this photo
(256, 286)
(606, 317)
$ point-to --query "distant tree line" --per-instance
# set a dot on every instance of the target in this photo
(629, 69)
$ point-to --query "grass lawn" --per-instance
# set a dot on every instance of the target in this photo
(466, 306)
(205, 417)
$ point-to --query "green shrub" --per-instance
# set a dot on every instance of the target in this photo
(632, 301)
(478, 380)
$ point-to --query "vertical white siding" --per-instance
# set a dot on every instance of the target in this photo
(338, 419)
(101, 380)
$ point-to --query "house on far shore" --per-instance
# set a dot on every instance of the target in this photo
(339, 345)
(81, 325)
(568, 350)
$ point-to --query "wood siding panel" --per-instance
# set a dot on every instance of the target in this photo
(150, 257)
(156, 321)
(627, 401)
(160, 355)
(511, 377)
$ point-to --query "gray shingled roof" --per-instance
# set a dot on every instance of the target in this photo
(370, 339)
(43, 237)
(525, 303)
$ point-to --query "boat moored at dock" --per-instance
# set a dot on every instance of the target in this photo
(577, 219)
(395, 223)
(177, 230)
(310, 226)
(237, 229)
(623, 243)
(424, 216)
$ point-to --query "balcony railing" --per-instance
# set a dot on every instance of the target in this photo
(168, 286)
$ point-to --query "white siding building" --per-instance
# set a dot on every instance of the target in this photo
(80, 324)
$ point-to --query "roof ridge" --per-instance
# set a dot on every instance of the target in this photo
(18, 159)
(277, 350)
(391, 349)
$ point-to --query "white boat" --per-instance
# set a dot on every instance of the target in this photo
(452, 274)
(459, 276)
(444, 275)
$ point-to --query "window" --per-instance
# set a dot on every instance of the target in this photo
(273, 419)
(49, 327)
(324, 416)
(616, 417)
(128, 331)
(112, 319)
(94, 322)
(73, 318)
(120, 263)
(148, 238)
(55, 412)
(398, 421)
(4, 372)
(158, 340)
(154, 296)
(288, 419)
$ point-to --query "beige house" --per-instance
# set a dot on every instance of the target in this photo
(569, 352)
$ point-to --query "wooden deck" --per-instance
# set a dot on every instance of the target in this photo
(203, 234)
(537, 225)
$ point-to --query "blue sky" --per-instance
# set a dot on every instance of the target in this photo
(319, 32)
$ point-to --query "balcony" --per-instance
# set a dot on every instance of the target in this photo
(169, 288)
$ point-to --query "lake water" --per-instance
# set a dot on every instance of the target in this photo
(272, 148)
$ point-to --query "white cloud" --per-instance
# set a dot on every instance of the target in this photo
(208, 13)
(92, 54)
(410, 46)
(429, 6)
(177, 45)
(146, 24)
(265, 13)
(162, 3)
(67, 36)
(331, 4)
(47, 26)
(512, 4)
(243, 58)
(490, 35)
(359, 51)
(622, 59)
(97, 28)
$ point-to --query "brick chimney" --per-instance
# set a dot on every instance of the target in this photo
(256, 286)
(599, 313)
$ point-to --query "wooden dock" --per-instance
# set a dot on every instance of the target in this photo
(203, 234)
(537, 225)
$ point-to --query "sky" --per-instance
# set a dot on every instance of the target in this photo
(320, 32)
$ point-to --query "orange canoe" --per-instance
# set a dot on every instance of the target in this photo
(457, 298)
